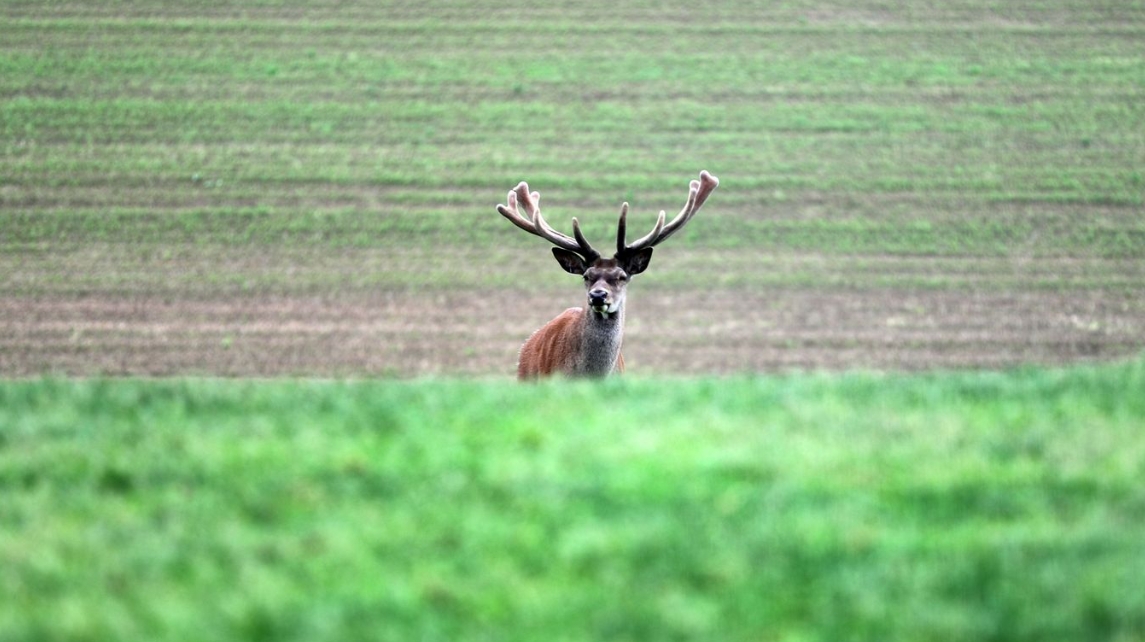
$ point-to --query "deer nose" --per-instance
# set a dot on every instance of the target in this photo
(598, 296)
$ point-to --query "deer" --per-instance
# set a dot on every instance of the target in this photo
(586, 342)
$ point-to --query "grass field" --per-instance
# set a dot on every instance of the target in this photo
(258, 315)
(833, 507)
(270, 188)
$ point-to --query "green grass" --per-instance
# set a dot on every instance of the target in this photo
(860, 507)
(378, 126)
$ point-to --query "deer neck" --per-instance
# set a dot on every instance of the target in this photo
(601, 337)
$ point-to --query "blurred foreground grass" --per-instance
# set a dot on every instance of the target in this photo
(808, 507)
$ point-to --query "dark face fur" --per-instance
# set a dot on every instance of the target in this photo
(605, 286)
(606, 280)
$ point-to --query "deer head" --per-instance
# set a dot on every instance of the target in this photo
(605, 279)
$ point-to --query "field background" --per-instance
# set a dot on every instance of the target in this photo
(296, 200)
(266, 188)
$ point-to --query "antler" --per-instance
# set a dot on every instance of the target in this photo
(698, 193)
(535, 223)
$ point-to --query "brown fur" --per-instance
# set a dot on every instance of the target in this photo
(558, 347)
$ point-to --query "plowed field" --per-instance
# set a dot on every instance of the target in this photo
(263, 190)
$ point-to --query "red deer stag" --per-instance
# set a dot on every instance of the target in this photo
(585, 342)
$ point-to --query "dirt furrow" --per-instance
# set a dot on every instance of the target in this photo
(471, 334)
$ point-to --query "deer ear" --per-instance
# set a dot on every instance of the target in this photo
(638, 262)
(570, 261)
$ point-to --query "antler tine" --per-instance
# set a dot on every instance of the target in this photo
(651, 238)
(532, 200)
(582, 241)
(622, 228)
(686, 214)
(545, 231)
(535, 224)
(511, 212)
(698, 193)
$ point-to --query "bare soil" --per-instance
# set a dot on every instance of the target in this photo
(468, 333)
